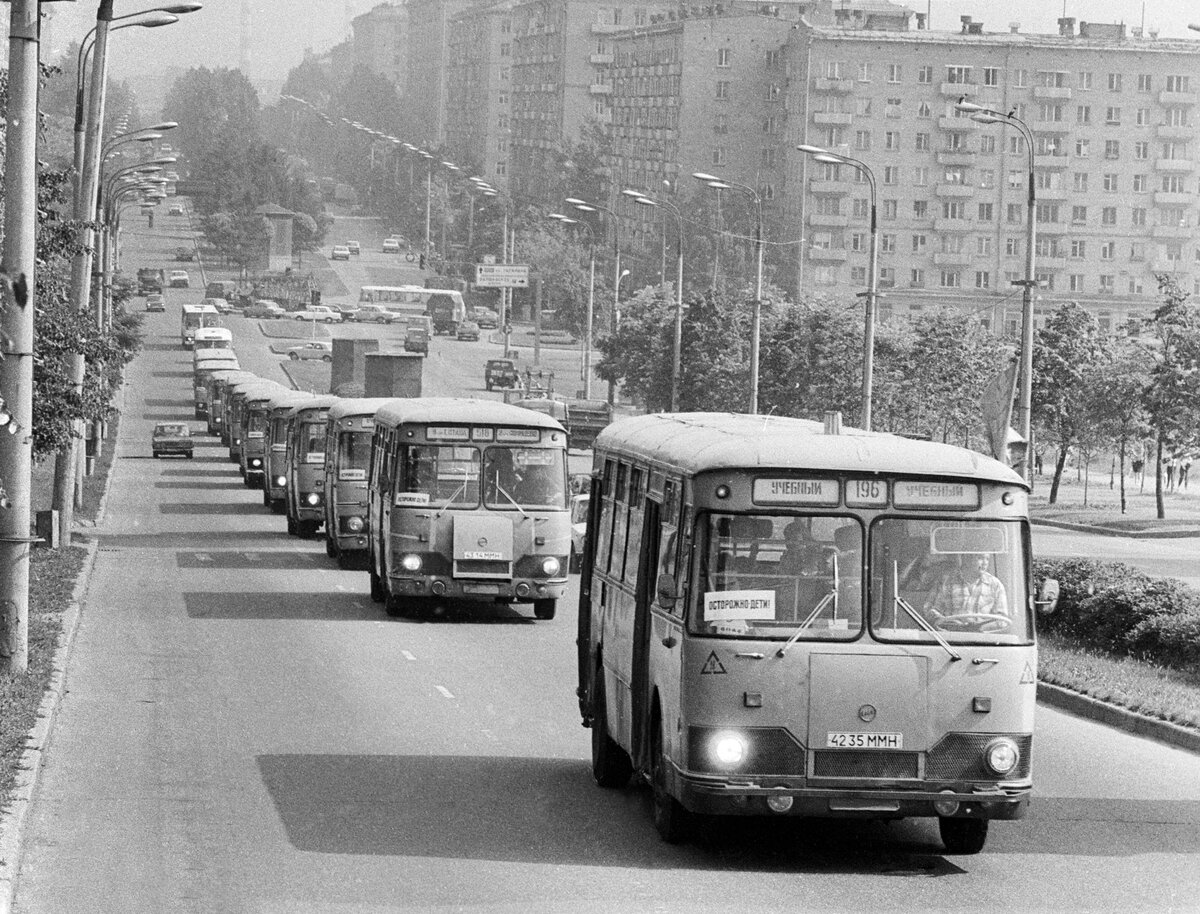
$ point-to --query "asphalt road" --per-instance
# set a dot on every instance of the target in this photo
(245, 731)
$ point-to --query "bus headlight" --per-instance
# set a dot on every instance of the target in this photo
(550, 566)
(281, 480)
(313, 499)
(410, 562)
(255, 463)
(728, 749)
(354, 524)
(1002, 755)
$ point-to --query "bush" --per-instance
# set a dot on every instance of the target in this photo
(1123, 611)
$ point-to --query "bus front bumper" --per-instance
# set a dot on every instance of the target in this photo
(521, 590)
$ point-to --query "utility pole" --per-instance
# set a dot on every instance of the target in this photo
(16, 338)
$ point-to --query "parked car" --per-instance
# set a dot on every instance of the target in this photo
(416, 339)
(372, 314)
(320, 314)
(317, 349)
(185, 253)
(179, 279)
(155, 303)
(391, 246)
(223, 305)
(175, 209)
(354, 248)
(347, 310)
(171, 438)
(486, 318)
(340, 252)
(266, 310)
(467, 330)
(501, 373)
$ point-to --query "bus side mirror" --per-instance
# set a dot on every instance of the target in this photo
(1046, 600)
(666, 591)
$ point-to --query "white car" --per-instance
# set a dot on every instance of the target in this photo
(579, 516)
(175, 209)
(340, 252)
(391, 246)
(179, 279)
(319, 313)
(317, 349)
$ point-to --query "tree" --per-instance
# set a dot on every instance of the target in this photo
(1066, 354)
(1115, 398)
(239, 237)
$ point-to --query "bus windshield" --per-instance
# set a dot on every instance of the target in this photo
(522, 477)
(256, 425)
(962, 580)
(445, 475)
(779, 577)
(354, 454)
(312, 442)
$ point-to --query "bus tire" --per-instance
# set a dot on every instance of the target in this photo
(671, 820)
(394, 606)
(544, 609)
(963, 836)
(266, 498)
(291, 527)
(611, 766)
(307, 529)
(377, 594)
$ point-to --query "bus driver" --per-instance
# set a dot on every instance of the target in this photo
(969, 589)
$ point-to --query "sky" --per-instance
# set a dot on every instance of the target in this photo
(283, 29)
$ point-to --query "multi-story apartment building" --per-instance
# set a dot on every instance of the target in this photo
(1113, 117)
(478, 88)
(425, 86)
(380, 42)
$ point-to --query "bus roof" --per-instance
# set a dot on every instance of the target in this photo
(199, 309)
(213, 333)
(459, 410)
(287, 398)
(357, 406)
(696, 442)
(314, 401)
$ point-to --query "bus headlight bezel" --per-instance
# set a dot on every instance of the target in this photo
(281, 481)
(312, 499)
(1001, 756)
(728, 748)
(354, 524)
(410, 562)
(255, 463)
(551, 566)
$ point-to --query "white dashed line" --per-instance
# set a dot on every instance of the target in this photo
(341, 587)
(407, 655)
(446, 693)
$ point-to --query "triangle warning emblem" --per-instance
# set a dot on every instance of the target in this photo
(1027, 675)
(713, 665)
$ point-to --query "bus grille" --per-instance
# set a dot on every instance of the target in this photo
(482, 568)
(959, 757)
(871, 764)
(771, 750)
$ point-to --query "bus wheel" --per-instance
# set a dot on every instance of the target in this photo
(394, 606)
(307, 529)
(266, 499)
(963, 836)
(377, 593)
(610, 763)
(292, 527)
(671, 820)
(544, 609)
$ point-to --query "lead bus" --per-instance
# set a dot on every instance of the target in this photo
(779, 618)
(467, 500)
(194, 317)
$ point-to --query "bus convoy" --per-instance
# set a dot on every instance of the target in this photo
(776, 617)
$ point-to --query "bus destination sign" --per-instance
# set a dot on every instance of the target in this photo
(796, 492)
(928, 493)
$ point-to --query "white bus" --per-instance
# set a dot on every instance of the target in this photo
(445, 306)
(781, 619)
(212, 338)
(193, 318)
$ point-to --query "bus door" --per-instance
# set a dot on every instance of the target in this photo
(584, 637)
(644, 596)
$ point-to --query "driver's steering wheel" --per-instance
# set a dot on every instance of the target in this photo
(989, 622)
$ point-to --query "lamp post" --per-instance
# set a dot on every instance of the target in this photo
(871, 295)
(677, 336)
(505, 292)
(428, 157)
(720, 184)
(983, 115)
(586, 368)
(585, 207)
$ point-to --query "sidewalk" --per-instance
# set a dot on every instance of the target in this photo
(1102, 514)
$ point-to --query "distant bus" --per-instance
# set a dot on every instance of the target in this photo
(193, 318)
(211, 338)
(445, 306)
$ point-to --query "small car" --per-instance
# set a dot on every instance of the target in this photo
(340, 252)
(372, 314)
(264, 309)
(171, 438)
(391, 246)
(579, 515)
(319, 314)
(486, 318)
(467, 330)
(501, 373)
(179, 279)
(354, 248)
(222, 305)
(155, 303)
(175, 209)
(347, 311)
(185, 254)
(317, 349)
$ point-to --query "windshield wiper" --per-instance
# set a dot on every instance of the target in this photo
(454, 496)
(500, 489)
(831, 597)
(921, 621)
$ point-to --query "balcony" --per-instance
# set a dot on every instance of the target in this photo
(1176, 98)
(952, 260)
(840, 86)
(828, 188)
(956, 157)
(827, 255)
(1171, 231)
(955, 190)
(599, 89)
(956, 123)
(956, 90)
(606, 28)
(828, 220)
(1053, 228)
(946, 224)
(601, 59)
(1051, 127)
(1163, 265)
(1168, 132)
(1051, 162)
(1052, 194)
(1057, 259)
(1171, 198)
(1051, 92)
(1175, 166)
(833, 118)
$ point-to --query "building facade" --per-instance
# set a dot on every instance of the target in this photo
(380, 42)
(425, 84)
(478, 88)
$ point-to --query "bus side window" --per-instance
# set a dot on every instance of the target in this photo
(604, 534)
(633, 521)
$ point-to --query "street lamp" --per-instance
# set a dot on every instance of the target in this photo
(505, 291)
(677, 336)
(720, 184)
(585, 207)
(982, 115)
(836, 158)
(586, 369)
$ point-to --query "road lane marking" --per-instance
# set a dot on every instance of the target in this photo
(203, 557)
(341, 587)
(445, 691)
(407, 655)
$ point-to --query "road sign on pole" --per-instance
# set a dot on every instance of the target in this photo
(502, 275)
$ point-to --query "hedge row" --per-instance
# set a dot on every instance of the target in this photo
(1126, 612)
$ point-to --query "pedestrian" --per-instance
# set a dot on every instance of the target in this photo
(1185, 464)
(1037, 462)
(1136, 465)
(1170, 463)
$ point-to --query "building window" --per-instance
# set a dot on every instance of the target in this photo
(723, 56)
(1084, 80)
(987, 144)
(1079, 215)
(718, 155)
(1106, 283)
(1078, 250)
(858, 276)
(924, 110)
(891, 140)
(1047, 213)
(829, 206)
(1081, 182)
(987, 212)
(1135, 285)
(917, 278)
(768, 157)
(862, 208)
(1114, 82)
(1108, 215)
(1013, 246)
(721, 123)
(887, 277)
(983, 245)
(1112, 116)
(770, 125)
(1112, 149)
(921, 176)
(770, 92)
(1137, 251)
(1015, 214)
(858, 242)
(864, 71)
(1177, 84)
(920, 209)
(722, 90)
(862, 140)
(862, 107)
(1137, 217)
(1083, 149)
(953, 209)
(1108, 250)
(925, 75)
(918, 244)
(1083, 115)
(833, 69)
(958, 75)
(890, 209)
(1177, 117)
(1019, 79)
(1075, 282)
(887, 244)
(1173, 184)
(987, 177)
(1141, 117)
(1141, 151)
(983, 279)
(1144, 82)
(1110, 183)
(893, 73)
(991, 76)
(1050, 113)
(951, 279)
(923, 142)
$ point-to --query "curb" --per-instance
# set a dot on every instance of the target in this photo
(12, 821)
(1081, 705)
(1110, 531)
